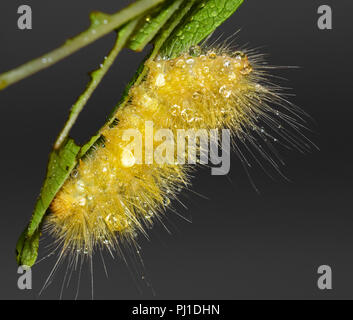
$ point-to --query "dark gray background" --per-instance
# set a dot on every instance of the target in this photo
(240, 244)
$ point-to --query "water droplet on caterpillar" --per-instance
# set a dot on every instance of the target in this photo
(232, 76)
(80, 185)
(226, 63)
(82, 202)
(239, 55)
(203, 57)
(246, 69)
(74, 173)
(195, 51)
(127, 158)
(225, 92)
(166, 202)
(212, 55)
(160, 80)
(196, 95)
(180, 63)
(175, 109)
(149, 214)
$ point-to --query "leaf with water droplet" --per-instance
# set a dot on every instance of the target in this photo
(152, 23)
(199, 23)
(61, 162)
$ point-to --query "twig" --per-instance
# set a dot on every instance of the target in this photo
(96, 77)
(101, 25)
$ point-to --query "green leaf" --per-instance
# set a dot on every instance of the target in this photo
(27, 248)
(201, 22)
(152, 23)
(61, 162)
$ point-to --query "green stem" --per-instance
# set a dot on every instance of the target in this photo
(96, 77)
(101, 25)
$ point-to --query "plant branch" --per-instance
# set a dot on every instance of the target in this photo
(101, 24)
(96, 77)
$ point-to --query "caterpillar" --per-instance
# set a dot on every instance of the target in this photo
(110, 196)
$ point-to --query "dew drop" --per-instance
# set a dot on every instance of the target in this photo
(80, 185)
(180, 63)
(212, 55)
(196, 95)
(160, 80)
(246, 70)
(166, 202)
(238, 55)
(225, 92)
(82, 202)
(127, 158)
(232, 76)
(195, 51)
(74, 173)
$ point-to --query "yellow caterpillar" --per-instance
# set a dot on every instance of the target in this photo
(111, 195)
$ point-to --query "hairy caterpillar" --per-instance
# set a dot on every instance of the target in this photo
(110, 197)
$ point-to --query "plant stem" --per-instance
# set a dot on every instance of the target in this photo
(101, 25)
(96, 77)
